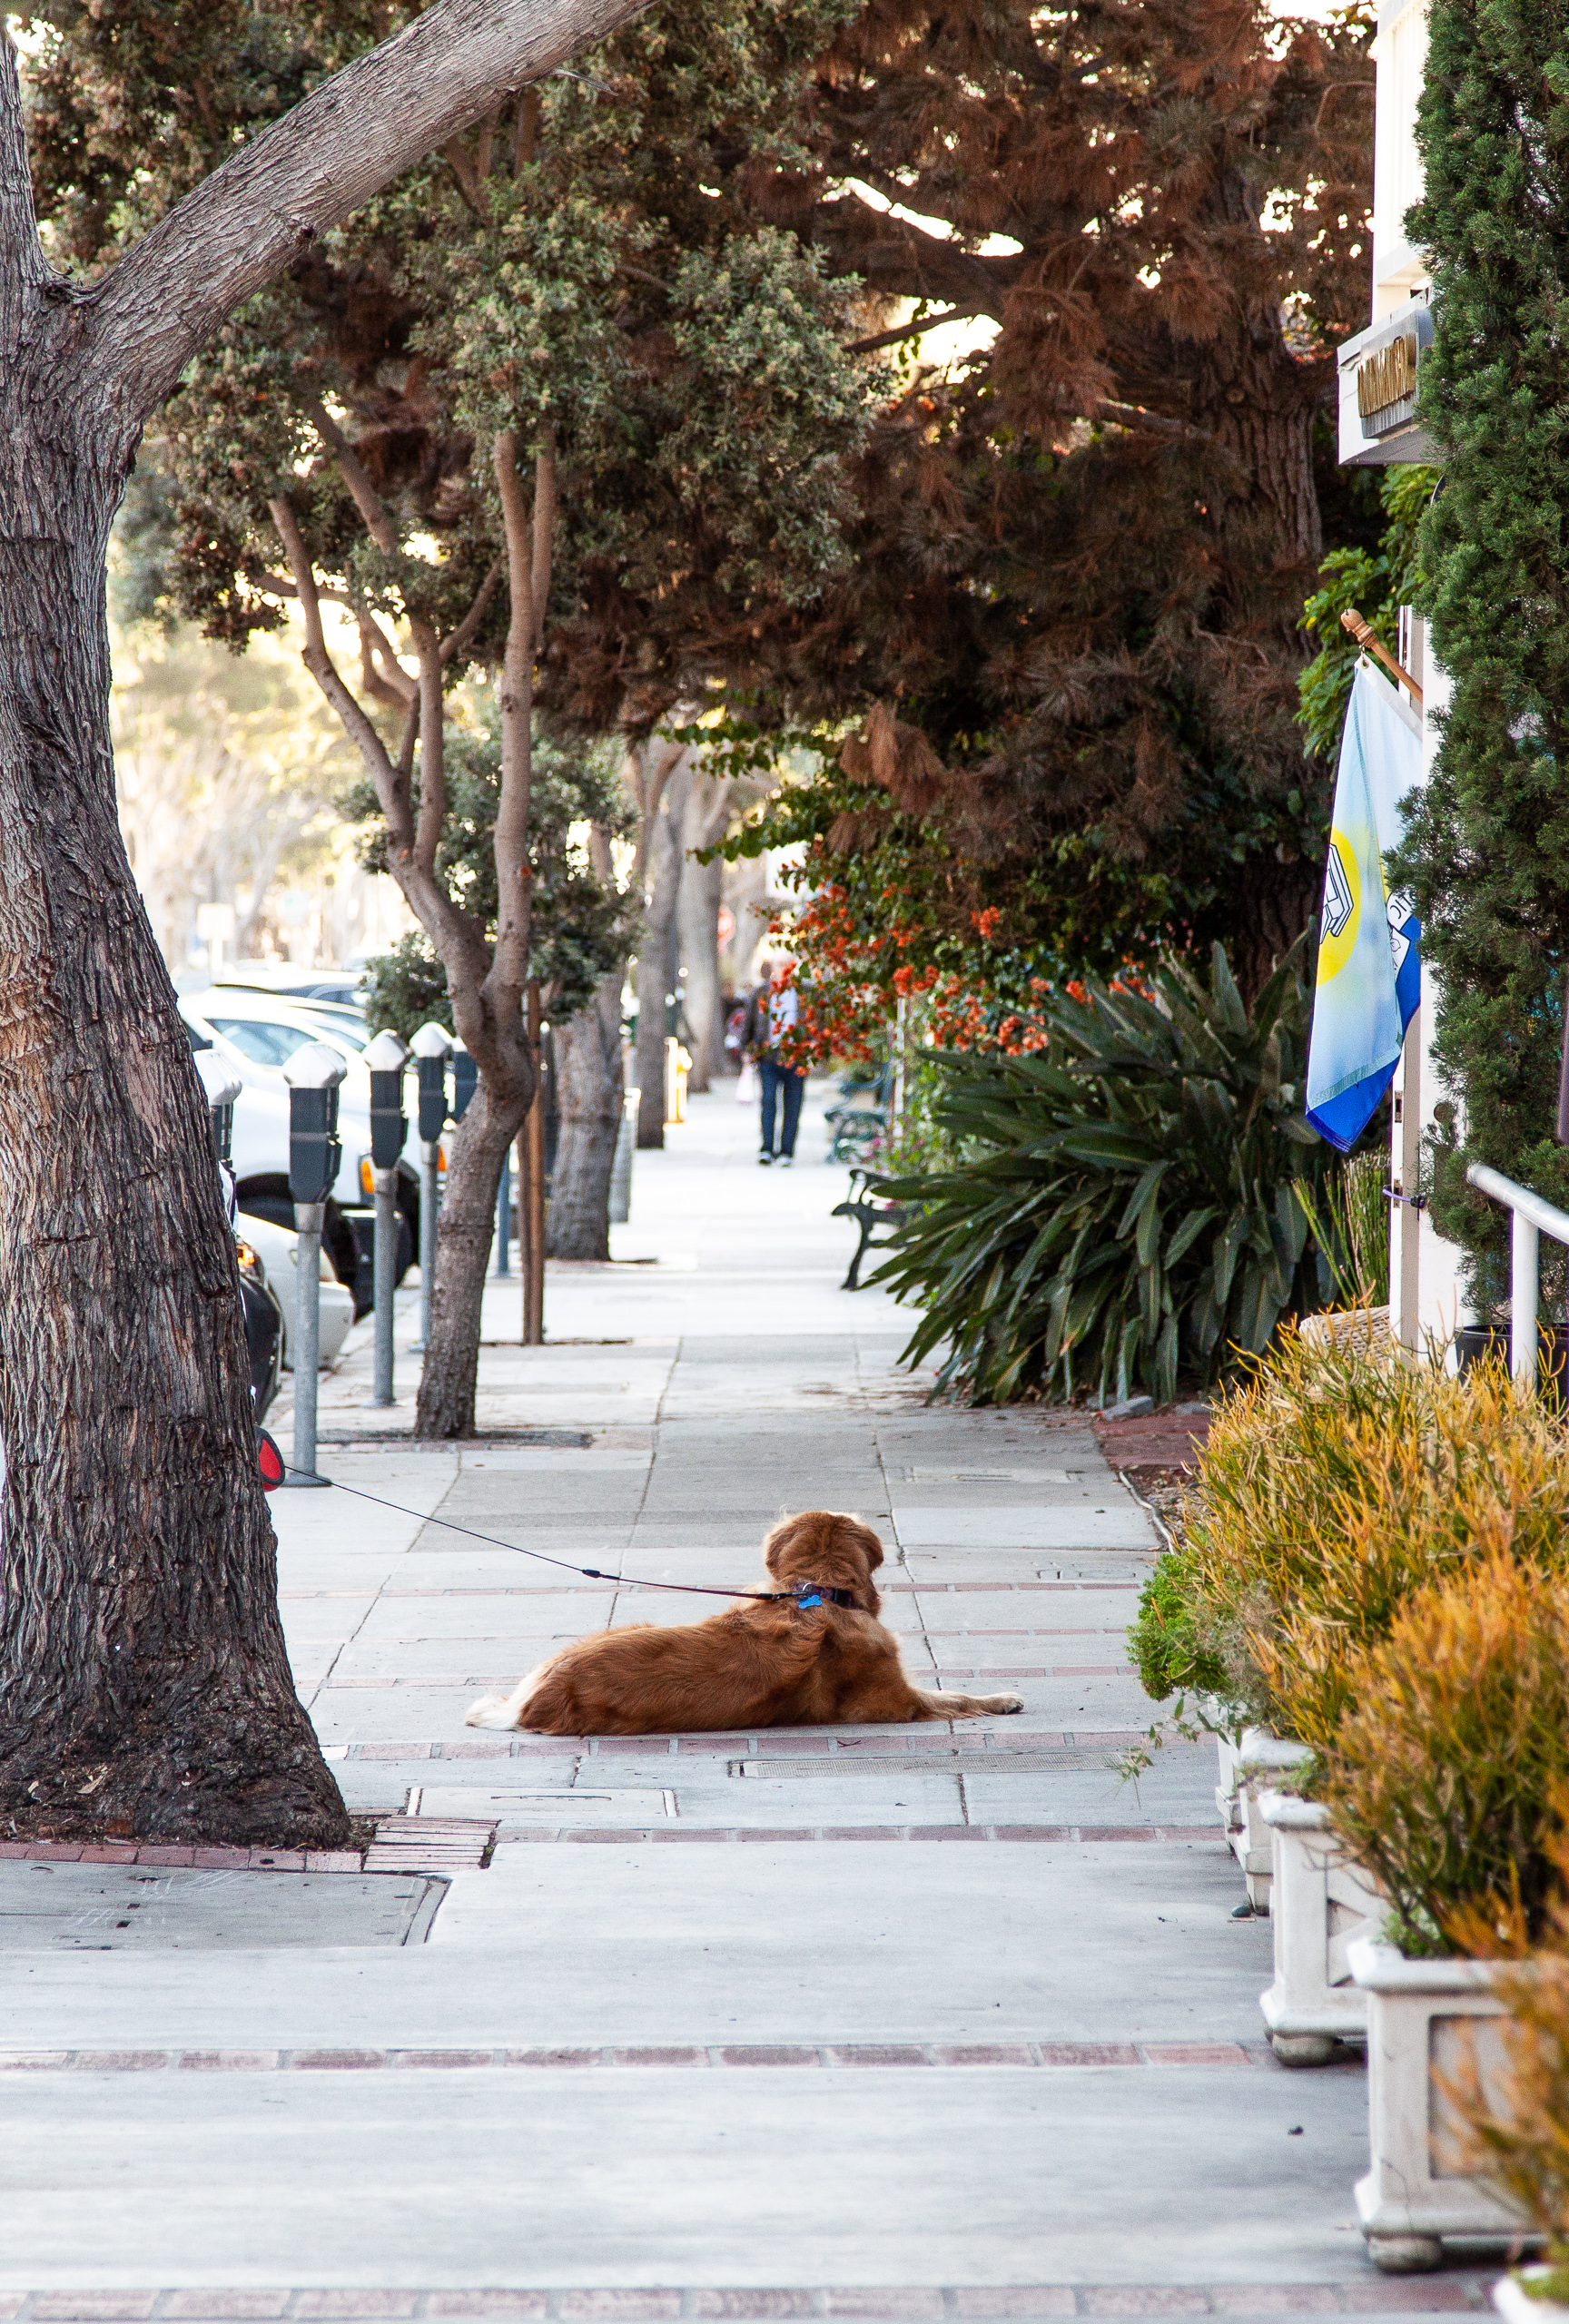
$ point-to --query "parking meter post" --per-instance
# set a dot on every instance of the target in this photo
(434, 1046)
(386, 1058)
(309, 1218)
(504, 1217)
(313, 1075)
(533, 1239)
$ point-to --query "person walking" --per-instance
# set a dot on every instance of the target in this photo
(770, 1014)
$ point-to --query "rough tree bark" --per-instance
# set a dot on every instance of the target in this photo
(588, 1082)
(664, 854)
(143, 1683)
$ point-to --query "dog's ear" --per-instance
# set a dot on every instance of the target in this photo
(780, 1539)
(867, 1541)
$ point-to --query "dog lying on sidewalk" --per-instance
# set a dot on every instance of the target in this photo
(819, 1659)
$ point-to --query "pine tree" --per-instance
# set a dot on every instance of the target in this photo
(1082, 567)
(1488, 848)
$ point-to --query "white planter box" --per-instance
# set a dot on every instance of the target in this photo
(1319, 1904)
(1424, 2017)
(1261, 1754)
(1515, 2305)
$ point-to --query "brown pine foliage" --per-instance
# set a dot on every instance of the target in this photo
(1082, 565)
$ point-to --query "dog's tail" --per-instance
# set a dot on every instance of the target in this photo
(505, 1710)
(491, 1710)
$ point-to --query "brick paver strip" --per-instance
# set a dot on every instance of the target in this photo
(1018, 2299)
(1457, 2292)
(92, 2307)
(233, 2306)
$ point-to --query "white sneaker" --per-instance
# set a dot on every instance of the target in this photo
(787, 1161)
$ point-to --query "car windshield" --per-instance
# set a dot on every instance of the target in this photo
(263, 1043)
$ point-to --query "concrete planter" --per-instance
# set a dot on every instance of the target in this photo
(1515, 2305)
(1319, 1905)
(1424, 2019)
(1260, 1754)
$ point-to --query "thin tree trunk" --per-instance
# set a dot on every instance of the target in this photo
(589, 1080)
(666, 852)
(697, 925)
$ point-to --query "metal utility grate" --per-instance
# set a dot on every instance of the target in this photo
(430, 1844)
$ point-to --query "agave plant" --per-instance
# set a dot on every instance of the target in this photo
(1128, 1199)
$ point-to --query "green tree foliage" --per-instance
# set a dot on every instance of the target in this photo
(1375, 582)
(581, 927)
(1488, 849)
(1126, 1205)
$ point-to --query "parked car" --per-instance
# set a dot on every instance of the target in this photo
(263, 1313)
(289, 982)
(279, 1250)
(256, 1035)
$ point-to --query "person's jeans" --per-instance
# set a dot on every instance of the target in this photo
(783, 1087)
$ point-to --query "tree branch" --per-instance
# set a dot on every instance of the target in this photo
(911, 330)
(392, 795)
(509, 841)
(394, 685)
(22, 265)
(303, 175)
(373, 509)
(457, 640)
(432, 748)
(543, 536)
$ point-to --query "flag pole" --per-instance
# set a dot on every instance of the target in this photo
(1362, 631)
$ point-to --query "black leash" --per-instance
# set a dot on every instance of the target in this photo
(690, 1589)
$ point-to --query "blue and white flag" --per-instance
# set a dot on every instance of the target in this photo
(1370, 966)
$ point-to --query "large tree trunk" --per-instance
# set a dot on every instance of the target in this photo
(143, 1683)
(666, 852)
(589, 1080)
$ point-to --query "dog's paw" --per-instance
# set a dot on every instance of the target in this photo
(1007, 1703)
(490, 1711)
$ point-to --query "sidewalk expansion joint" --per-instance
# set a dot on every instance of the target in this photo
(1060, 2056)
(1456, 2293)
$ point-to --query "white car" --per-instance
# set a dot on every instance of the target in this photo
(256, 1035)
(278, 1248)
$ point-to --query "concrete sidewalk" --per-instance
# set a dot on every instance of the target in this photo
(929, 2022)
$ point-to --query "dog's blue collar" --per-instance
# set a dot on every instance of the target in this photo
(820, 1594)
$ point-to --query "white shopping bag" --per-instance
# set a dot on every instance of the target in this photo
(747, 1084)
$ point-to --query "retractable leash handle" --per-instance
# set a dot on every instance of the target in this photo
(274, 1469)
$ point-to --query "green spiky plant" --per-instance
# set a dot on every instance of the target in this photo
(1350, 1221)
(1127, 1200)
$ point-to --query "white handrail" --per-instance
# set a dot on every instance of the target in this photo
(1529, 1218)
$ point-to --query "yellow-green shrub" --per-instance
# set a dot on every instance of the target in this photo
(1442, 1765)
(1333, 1486)
(1521, 2142)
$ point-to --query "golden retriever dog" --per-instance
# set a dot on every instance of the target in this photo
(821, 1660)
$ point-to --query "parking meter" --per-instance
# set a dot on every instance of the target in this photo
(222, 1087)
(465, 1082)
(386, 1058)
(432, 1047)
(315, 1075)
